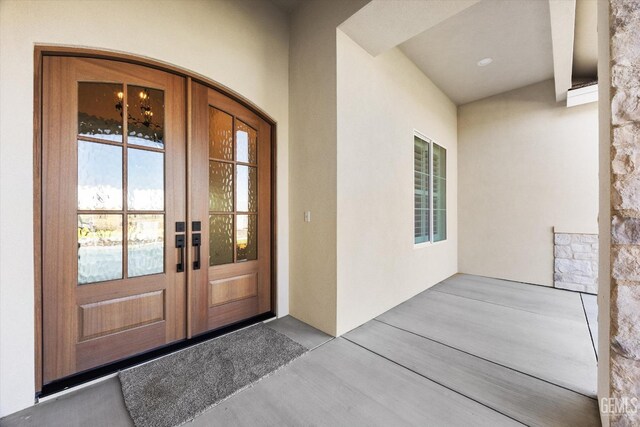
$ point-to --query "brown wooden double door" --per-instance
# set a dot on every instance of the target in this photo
(149, 235)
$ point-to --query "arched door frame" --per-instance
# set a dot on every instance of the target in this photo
(40, 52)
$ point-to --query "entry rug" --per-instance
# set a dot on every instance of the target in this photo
(176, 388)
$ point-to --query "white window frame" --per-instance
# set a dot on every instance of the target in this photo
(429, 242)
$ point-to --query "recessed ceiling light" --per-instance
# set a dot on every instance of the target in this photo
(484, 62)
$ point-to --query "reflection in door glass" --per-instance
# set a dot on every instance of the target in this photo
(99, 176)
(246, 143)
(247, 186)
(220, 239)
(145, 180)
(100, 110)
(145, 121)
(145, 245)
(99, 248)
(246, 246)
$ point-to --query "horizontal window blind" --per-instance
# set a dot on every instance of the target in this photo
(422, 179)
(439, 193)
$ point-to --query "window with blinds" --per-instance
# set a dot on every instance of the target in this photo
(422, 180)
(439, 191)
(430, 191)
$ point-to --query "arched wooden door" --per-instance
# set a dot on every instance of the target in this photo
(123, 272)
(113, 189)
(231, 208)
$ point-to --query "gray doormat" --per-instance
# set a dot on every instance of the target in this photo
(176, 388)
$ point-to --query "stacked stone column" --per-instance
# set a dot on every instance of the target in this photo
(625, 206)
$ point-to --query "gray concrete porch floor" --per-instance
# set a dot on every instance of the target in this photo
(468, 351)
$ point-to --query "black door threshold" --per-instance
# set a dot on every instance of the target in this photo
(110, 368)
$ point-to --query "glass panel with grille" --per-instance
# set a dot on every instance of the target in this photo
(246, 247)
(145, 244)
(220, 135)
(233, 189)
(145, 116)
(220, 186)
(99, 248)
(145, 183)
(121, 189)
(247, 179)
(100, 107)
(99, 176)
(246, 143)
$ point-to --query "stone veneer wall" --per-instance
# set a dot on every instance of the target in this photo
(576, 262)
(624, 343)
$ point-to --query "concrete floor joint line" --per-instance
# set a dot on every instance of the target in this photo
(593, 344)
(434, 381)
(494, 303)
(487, 360)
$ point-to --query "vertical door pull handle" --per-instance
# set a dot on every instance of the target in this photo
(180, 245)
(196, 240)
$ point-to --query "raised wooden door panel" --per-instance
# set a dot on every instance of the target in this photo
(114, 179)
(230, 196)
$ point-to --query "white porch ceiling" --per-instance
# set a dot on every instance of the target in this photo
(528, 40)
(384, 24)
(516, 34)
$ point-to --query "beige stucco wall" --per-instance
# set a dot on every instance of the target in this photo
(242, 44)
(526, 164)
(381, 101)
(313, 168)
(350, 168)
